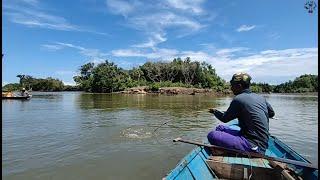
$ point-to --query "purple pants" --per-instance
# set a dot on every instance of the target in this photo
(229, 138)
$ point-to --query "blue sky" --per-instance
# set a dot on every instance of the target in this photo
(274, 41)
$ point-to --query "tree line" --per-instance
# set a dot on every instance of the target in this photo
(38, 84)
(302, 84)
(108, 77)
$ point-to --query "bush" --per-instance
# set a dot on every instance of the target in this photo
(154, 87)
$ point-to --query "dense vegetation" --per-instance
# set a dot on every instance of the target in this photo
(108, 77)
(304, 83)
(38, 84)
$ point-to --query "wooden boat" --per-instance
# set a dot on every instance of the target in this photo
(17, 97)
(202, 163)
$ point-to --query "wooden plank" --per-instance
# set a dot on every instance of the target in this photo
(238, 160)
(216, 158)
(245, 161)
(257, 162)
(225, 159)
(224, 170)
(266, 163)
(236, 171)
(232, 160)
(245, 173)
(282, 169)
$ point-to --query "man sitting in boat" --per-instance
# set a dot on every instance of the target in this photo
(253, 113)
(24, 92)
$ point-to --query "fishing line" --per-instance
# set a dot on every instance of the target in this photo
(161, 126)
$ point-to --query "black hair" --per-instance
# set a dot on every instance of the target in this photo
(245, 85)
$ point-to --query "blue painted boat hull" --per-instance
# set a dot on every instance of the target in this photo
(194, 166)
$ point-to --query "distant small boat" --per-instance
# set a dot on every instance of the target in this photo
(202, 163)
(17, 97)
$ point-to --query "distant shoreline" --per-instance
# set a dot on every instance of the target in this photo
(305, 93)
(177, 91)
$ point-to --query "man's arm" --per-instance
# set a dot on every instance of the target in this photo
(270, 110)
(230, 114)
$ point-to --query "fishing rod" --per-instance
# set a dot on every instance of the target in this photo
(252, 154)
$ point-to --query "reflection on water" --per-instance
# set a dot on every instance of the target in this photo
(75, 135)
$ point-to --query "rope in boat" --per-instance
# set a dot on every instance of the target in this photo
(249, 157)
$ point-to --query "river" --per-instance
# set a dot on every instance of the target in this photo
(75, 135)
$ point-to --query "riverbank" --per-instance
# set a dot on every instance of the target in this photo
(306, 93)
(297, 94)
(176, 91)
(173, 91)
(194, 91)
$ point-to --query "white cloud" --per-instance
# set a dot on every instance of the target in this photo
(187, 5)
(245, 28)
(39, 19)
(230, 51)
(198, 55)
(51, 47)
(34, 18)
(85, 51)
(120, 7)
(158, 53)
(127, 53)
(158, 22)
(69, 83)
(261, 65)
(163, 53)
(154, 40)
(95, 55)
(156, 18)
(271, 63)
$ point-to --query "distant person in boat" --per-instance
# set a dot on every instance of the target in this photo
(24, 92)
(253, 113)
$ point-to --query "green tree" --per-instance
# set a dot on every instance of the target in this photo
(11, 87)
(84, 80)
(107, 77)
(303, 83)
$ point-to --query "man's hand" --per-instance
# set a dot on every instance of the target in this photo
(212, 110)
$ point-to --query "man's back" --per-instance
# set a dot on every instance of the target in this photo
(253, 115)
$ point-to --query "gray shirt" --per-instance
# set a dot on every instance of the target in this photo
(253, 113)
